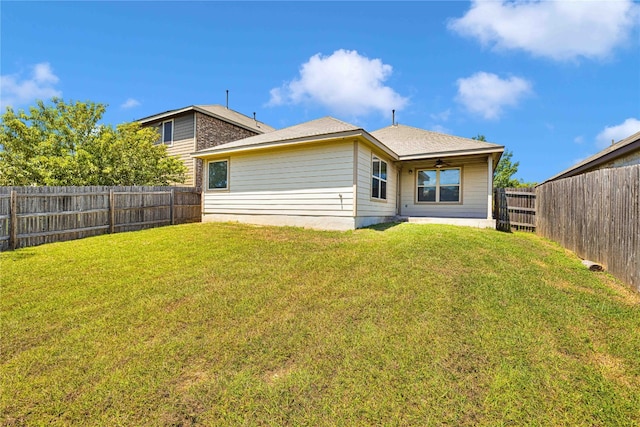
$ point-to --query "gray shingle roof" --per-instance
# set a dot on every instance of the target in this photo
(234, 116)
(620, 148)
(398, 140)
(314, 128)
(217, 111)
(410, 141)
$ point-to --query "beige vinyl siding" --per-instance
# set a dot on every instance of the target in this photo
(313, 180)
(183, 149)
(474, 193)
(366, 206)
(184, 144)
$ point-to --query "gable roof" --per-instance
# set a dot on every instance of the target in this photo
(217, 111)
(314, 130)
(620, 148)
(410, 142)
(398, 141)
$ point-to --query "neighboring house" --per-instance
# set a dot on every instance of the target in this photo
(198, 127)
(329, 174)
(622, 153)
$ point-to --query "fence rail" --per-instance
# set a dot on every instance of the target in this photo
(515, 208)
(31, 216)
(597, 216)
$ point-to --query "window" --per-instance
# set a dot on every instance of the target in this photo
(439, 185)
(379, 179)
(218, 175)
(166, 132)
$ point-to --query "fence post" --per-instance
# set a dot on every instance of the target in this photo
(13, 220)
(112, 212)
(172, 198)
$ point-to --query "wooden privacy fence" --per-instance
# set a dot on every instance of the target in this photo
(597, 216)
(31, 216)
(515, 208)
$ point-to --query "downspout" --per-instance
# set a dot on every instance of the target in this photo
(355, 180)
(195, 148)
(398, 190)
(490, 187)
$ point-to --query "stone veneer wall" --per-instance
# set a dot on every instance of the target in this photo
(211, 132)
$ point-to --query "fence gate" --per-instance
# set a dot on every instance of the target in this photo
(515, 208)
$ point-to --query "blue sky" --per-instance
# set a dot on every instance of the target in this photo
(552, 81)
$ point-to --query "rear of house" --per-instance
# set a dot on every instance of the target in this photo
(329, 174)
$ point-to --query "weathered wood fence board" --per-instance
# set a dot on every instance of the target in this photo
(597, 216)
(515, 208)
(32, 216)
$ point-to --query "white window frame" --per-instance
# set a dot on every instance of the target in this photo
(173, 126)
(374, 159)
(208, 174)
(438, 185)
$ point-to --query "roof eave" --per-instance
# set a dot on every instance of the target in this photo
(164, 115)
(595, 161)
(435, 155)
(215, 151)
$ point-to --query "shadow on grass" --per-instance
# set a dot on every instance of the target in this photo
(18, 255)
(383, 226)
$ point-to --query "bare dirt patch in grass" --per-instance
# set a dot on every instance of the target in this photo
(613, 368)
(623, 293)
(282, 372)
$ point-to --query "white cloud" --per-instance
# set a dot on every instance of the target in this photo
(40, 85)
(487, 95)
(43, 74)
(129, 103)
(578, 139)
(556, 29)
(345, 82)
(617, 132)
(442, 116)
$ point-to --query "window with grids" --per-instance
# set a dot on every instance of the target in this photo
(379, 179)
(438, 185)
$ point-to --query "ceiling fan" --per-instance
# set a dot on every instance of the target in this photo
(440, 163)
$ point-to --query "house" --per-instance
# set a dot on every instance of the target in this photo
(329, 174)
(623, 153)
(198, 127)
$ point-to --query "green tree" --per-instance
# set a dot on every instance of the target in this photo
(64, 144)
(505, 170)
(503, 176)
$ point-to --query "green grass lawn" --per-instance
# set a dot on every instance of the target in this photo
(225, 324)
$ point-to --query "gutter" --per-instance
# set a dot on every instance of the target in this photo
(435, 155)
(297, 141)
